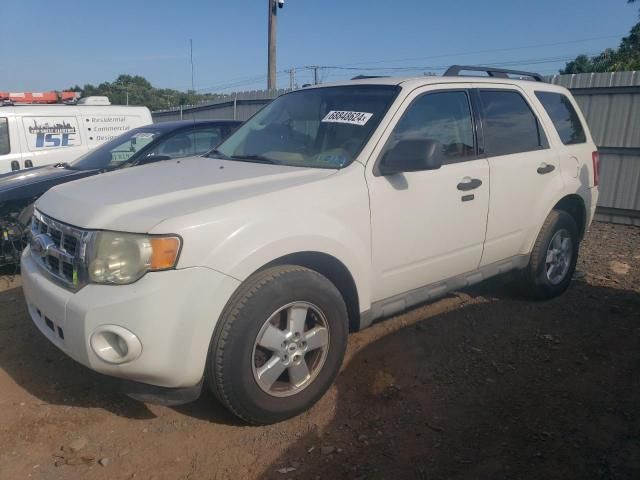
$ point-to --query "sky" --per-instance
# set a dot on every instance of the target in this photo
(48, 45)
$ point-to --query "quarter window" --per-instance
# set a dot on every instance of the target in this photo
(444, 117)
(4, 137)
(564, 117)
(509, 124)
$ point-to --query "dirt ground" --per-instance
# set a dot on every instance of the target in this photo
(482, 384)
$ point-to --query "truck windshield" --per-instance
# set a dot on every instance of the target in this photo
(318, 127)
(116, 152)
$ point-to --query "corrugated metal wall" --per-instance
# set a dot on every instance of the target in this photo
(237, 106)
(611, 105)
(609, 101)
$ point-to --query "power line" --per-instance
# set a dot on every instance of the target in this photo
(530, 61)
(249, 80)
(509, 49)
(239, 81)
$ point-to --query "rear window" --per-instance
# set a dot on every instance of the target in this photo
(509, 124)
(564, 117)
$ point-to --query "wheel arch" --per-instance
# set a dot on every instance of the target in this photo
(334, 270)
(574, 205)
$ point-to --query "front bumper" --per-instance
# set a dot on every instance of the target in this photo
(172, 314)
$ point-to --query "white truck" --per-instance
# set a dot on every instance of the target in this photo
(332, 207)
(38, 135)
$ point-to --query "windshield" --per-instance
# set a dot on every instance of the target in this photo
(319, 127)
(116, 152)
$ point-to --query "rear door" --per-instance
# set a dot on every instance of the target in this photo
(524, 170)
(574, 145)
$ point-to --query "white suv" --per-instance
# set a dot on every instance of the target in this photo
(332, 207)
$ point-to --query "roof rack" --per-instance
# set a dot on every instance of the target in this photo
(364, 77)
(454, 71)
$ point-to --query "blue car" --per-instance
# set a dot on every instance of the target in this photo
(139, 146)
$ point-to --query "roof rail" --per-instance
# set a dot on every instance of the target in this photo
(454, 71)
(364, 77)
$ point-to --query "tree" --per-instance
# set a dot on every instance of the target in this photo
(137, 90)
(625, 57)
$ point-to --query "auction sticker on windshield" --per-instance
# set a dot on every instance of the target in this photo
(343, 116)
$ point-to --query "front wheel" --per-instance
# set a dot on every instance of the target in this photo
(279, 344)
(553, 258)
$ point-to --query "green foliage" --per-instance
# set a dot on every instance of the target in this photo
(625, 57)
(141, 92)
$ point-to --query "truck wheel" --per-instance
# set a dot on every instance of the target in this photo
(553, 258)
(278, 345)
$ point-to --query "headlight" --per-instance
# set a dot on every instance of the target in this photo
(120, 258)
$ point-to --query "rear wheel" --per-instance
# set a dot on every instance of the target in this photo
(553, 258)
(279, 344)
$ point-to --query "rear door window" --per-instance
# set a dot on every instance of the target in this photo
(5, 146)
(564, 117)
(510, 125)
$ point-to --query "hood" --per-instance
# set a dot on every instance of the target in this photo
(137, 199)
(33, 182)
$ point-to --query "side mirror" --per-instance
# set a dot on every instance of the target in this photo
(152, 159)
(411, 156)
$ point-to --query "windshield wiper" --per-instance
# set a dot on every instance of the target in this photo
(253, 158)
(218, 154)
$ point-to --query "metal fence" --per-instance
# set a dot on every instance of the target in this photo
(609, 101)
(611, 104)
(235, 106)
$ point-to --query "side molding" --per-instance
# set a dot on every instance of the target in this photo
(399, 303)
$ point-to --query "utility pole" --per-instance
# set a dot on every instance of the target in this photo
(315, 75)
(191, 57)
(271, 56)
(292, 79)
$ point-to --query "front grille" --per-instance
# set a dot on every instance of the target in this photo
(60, 250)
(70, 244)
(53, 262)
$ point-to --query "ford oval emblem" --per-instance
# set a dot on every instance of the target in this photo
(40, 244)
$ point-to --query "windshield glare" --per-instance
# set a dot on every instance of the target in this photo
(116, 152)
(319, 127)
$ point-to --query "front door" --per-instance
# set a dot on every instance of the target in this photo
(428, 226)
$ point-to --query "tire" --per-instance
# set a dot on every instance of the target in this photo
(269, 309)
(540, 279)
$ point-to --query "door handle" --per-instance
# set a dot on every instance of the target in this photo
(469, 184)
(545, 168)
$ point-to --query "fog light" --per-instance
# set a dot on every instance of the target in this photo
(115, 344)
